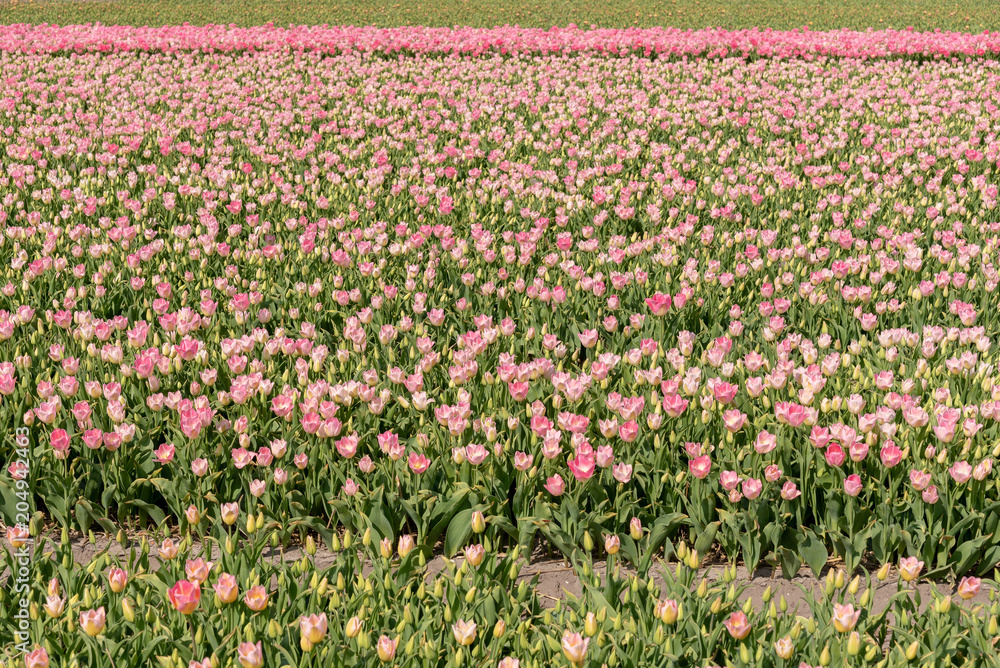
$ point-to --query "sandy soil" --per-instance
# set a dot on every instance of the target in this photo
(556, 577)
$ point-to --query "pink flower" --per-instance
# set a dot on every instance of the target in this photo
(789, 491)
(852, 485)
(834, 455)
(700, 467)
(555, 485)
(733, 420)
(184, 596)
(819, 436)
(752, 488)
(969, 587)
(909, 568)
(961, 472)
(659, 304)
(729, 480)
(674, 405)
(250, 655)
(418, 462)
(629, 431)
(930, 494)
(582, 467)
(738, 625)
(919, 479)
(622, 473)
(60, 443)
(605, 456)
(522, 461)
(165, 453)
(765, 443)
(890, 455)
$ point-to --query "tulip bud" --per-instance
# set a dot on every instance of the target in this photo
(825, 657)
(883, 572)
(911, 651)
(854, 644)
(635, 528)
(590, 625)
(127, 610)
(479, 522)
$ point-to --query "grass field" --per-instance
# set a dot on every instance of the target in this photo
(952, 15)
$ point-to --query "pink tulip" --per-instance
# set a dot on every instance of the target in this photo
(752, 488)
(700, 467)
(418, 462)
(729, 480)
(581, 467)
(969, 587)
(852, 485)
(555, 485)
(184, 596)
(961, 472)
(765, 442)
(834, 455)
(929, 494)
(789, 491)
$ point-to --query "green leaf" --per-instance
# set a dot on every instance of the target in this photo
(443, 514)
(967, 553)
(84, 517)
(459, 531)
(706, 537)
(155, 581)
(379, 524)
(106, 497)
(813, 551)
(661, 528)
(790, 563)
(155, 513)
(990, 559)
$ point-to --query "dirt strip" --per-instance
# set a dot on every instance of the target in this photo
(556, 578)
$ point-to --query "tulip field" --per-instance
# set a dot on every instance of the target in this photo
(635, 300)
